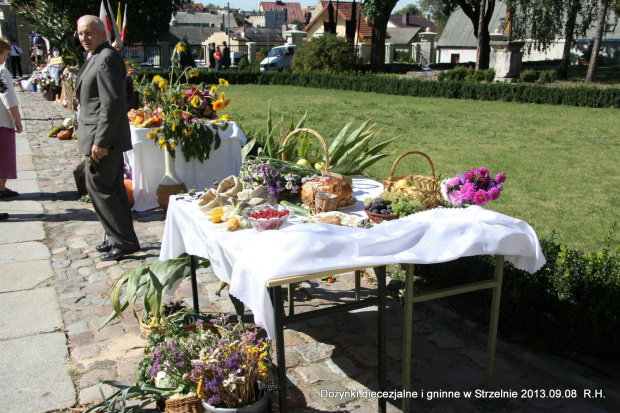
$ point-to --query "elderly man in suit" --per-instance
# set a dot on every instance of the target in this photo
(103, 136)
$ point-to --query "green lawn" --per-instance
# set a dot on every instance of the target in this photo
(561, 162)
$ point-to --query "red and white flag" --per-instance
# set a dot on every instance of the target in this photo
(124, 29)
(103, 15)
(117, 35)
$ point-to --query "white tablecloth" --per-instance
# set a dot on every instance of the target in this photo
(247, 259)
(147, 164)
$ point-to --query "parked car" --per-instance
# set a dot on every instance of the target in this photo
(151, 61)
(201, 64)
(280, 57)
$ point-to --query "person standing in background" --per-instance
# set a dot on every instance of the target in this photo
(103, 136)
(218, 58)
(10, 123)
(16, 59)
(211, 56)
(225, 56)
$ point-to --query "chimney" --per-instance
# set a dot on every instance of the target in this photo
(406, 19)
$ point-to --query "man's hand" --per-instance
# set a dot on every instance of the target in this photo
(96, 153)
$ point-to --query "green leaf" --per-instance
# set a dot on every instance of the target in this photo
(134, 278)
(154, 296)
(379, 147)
(333, 149)
(248, 148)
(366, 163)
(113, 314)
(115, 293)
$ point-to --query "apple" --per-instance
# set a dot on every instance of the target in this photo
(311, 158)
(320, 166)
(303, 162)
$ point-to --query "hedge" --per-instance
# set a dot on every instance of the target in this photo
(571, 305)
(592, 96)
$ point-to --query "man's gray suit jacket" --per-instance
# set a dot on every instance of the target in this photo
(101, 90)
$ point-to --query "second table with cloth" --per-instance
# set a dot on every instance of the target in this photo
(147, 164)
(249, 260)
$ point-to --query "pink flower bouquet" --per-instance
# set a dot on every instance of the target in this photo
(473, 187)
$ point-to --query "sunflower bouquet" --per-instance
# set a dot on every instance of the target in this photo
(188, 116)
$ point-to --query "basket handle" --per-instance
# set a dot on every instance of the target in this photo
(315, 133)
(410, 153)
(56, 116)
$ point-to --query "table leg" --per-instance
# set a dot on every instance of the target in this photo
(278, 306)
(497, 294)
(358, 275)
(380, 272)
(291, 305)
(407, 327)
(192, 271)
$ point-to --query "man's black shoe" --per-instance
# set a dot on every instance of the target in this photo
(116, 254)
(105, 247)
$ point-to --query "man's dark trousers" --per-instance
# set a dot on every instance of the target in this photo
(107, 192)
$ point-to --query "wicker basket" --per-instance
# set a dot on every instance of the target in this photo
(147, 330)
(425, 189)
(57, 116)
(327, 170)
(377, 218)
(186, 404)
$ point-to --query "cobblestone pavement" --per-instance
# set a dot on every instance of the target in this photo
(327, 355)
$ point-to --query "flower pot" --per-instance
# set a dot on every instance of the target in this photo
(49, 96)
(34, 88)
(169, 184)
(258, 407)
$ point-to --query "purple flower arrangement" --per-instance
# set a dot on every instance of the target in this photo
(275, 177)
(228, 374)
(473, 187)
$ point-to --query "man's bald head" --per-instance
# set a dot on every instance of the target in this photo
(91, 32)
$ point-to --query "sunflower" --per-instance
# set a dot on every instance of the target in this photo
(156, 79)
(188, 131)
(174, 126)
(213, 90)
(162, 85)
(180, 48)
(151, 135)
(162, 143)
(218, 105)
(223, 82)
(196, 102)
(172, 145)
(194, 73)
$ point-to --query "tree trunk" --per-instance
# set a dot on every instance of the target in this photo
(569, 36)
(483, 6)
(600, 29)
(377, 50)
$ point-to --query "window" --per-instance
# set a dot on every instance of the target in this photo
(454, 58)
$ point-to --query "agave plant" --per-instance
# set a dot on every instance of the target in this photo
(274, 145)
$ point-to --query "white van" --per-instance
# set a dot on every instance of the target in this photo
(279, 57)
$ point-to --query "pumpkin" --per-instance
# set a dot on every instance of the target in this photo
(65, 134)
(328, 184)
(129, 189)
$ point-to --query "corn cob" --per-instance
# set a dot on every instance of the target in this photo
(54, 131)
(232, 224)
(216, 214)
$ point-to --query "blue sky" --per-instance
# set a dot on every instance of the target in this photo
(253, 4)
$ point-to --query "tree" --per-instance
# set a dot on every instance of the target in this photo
(147, 20)
(325, 53)
(411, 9)
(379, 11)
(473, 10)
(439, 11)
(544, 21)
(600, 29)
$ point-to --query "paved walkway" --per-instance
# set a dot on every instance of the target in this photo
(53, 299)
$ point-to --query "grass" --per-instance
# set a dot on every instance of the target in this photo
(561, 162)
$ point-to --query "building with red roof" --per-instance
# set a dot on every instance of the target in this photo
(293, 10)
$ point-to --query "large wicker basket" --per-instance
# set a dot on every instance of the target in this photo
(424, 189)
(186, 404)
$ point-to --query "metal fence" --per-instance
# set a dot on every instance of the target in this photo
(144, 55)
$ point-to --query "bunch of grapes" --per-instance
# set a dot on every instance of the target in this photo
(393, 203)
(378, 206)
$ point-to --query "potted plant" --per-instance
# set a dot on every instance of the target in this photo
(230, 373)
